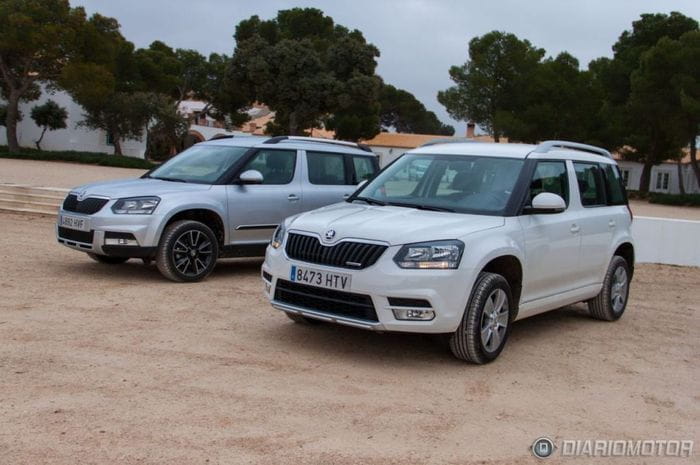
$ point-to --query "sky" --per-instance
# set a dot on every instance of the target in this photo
(418, 39)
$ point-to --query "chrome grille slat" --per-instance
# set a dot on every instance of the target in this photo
(309, 249)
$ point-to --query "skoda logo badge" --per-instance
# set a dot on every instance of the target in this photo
(330, 234)
(81, 196)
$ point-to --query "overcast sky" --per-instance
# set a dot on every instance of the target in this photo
(418, 39)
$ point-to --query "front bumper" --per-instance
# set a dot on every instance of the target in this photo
(143, 228)
(447, 291)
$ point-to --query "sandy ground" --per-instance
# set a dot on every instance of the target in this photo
(67, 175)
(113, 364)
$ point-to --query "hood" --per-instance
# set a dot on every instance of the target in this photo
(121, 188)
(395, 225)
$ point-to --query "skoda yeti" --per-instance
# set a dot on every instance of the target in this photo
(220, 198)
(462, 239)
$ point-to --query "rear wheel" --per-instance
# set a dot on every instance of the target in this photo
(610, 304)
(485, 326)
(187, 252)
(107, 259)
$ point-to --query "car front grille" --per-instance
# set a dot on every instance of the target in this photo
(74, 235)
(355, 255)
(347, 304)
(88, 206)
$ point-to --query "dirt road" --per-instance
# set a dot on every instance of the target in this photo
(113, 364)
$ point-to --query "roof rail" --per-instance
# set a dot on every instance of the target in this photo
(317, 140)
(548, 145)
(450, 140)
(222, 136)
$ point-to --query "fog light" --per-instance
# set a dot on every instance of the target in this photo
(120, 241)
(420, 314)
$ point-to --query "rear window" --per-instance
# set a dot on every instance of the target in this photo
(326, 169)
(614, 185)
(591, 184)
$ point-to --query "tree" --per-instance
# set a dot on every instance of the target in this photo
(37, 41)
(642, 103)
(310, 71)
(400, 110)
(49, 116)
(489, 85)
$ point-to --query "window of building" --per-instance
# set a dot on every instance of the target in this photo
(626, 178)
(662, 179)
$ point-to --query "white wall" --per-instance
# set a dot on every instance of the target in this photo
(668, 241)
(387, 154)
(635, 174)
(71, 138)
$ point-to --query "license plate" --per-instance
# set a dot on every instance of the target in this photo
(319, 278)
(74, 222)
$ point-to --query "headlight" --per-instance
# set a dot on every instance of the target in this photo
(278, 236)
(442, 255)
(136, 205)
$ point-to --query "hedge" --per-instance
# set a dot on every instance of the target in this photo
(90, 158)
(687, 200)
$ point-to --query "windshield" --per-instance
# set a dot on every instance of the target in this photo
(464, 184)
(203, 164)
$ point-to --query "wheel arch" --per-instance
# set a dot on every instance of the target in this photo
(626, 251)
(203, 214)
(509, 265)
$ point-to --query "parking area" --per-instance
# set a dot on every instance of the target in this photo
(113, 363)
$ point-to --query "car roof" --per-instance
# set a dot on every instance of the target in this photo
(509, 150)
(310, 144)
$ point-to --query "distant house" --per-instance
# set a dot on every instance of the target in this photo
(664, 176)
(73, 137)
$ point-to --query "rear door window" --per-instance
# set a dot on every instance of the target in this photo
(614, 185)
(591, 184)
(326, 169)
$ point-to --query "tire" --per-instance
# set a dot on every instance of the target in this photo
(301, 319)
(610, 304)
(466, 343)
(187, 252)
(107, 259)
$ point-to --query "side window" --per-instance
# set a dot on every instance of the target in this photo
(364, 168)
(276, 166)
(614, 187)
(326, 168)
(550, 176)
(590, 184)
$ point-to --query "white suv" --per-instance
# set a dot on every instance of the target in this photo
(462, 239)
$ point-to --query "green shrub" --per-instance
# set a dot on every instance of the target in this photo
(689, 200)
(89, 158)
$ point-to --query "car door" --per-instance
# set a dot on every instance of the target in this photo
(552, 241)
(597, 221)
(328, 179)
(255, 210)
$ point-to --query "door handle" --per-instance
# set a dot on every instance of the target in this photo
(292, 197)
(575, 228)
(612, 223)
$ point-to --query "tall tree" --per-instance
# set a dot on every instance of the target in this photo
(309, 70)
(488, 86)
(402, 111)
(37, 40)
(49, 116)
(642, 105)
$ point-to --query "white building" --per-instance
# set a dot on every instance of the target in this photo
(73, 137)
(664, 176)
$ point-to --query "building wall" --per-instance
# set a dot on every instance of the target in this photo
(71, 138)
(665, 240)
(634, 175)
(388, 154)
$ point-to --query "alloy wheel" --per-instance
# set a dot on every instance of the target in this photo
(618, 291)
(192, 253)
(494, 320)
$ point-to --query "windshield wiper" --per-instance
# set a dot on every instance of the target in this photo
(369, 201)
(169, 179)
(421, 207)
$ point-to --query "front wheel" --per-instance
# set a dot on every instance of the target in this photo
(187, 252)
(107, 259)
(485, 326)
(610, 304)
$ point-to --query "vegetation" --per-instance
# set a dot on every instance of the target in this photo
(688, 200)
(90, 158)
(401, 111)
(49, 116)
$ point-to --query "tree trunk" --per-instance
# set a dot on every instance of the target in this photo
(11, 122)
(38, 141)
(681, 186)
(694, 159)
(117, 141)
(293, 124)
(646, 176)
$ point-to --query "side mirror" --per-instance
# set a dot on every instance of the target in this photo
(546, 203)
(251, 177)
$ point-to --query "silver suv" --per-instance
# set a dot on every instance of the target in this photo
(221, 198)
